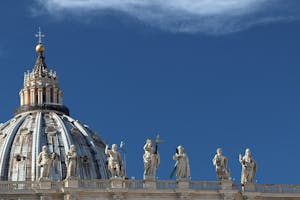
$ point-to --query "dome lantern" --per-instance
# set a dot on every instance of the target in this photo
(41, 89)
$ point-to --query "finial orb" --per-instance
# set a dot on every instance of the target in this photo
(39, 48)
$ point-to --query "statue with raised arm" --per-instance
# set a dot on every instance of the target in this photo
(220, 162)
(151, 160)
(248, 167)
(182, 165)
(72, 162)
(114, 161)
(44, 161)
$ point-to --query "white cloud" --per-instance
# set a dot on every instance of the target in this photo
(208, 16)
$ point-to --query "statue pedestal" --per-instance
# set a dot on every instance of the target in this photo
(149, 182)
(45, 185)
(183, 184)
(249, 187)
(226, 184)
(72, 183)
(70, 197)
(149, 178)
(116, 182)
(45, 198)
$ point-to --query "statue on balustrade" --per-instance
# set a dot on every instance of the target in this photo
(182, 165)
(248, 167)
(151, 160)
(220, 162)
(44, 161)
(114, 161)
(72, 162)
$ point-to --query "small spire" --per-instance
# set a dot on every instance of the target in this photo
(40, 35)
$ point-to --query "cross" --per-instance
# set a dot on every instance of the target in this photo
(40, 35)
(157, 140)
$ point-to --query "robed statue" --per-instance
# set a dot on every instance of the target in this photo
(220, 163)
(72, 162)
(182, 165)
(248, 167)
(45, 161)
(151, 160)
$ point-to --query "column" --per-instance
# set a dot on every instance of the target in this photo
(32, 99)
(40, 96)
(60, 99)
(21, 97)
(55, 95)
(26, 97)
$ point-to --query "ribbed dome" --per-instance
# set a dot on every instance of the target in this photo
(43, 120)
(22, 138)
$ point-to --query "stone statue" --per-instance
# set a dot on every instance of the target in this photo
(44, 161)
(72, 162)
(220, 162)
(151, 160)
(248, 167)
(182, 164)
(114, 161)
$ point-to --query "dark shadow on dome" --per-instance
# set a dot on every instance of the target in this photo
(49, 107)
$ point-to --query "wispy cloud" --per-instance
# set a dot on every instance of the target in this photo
(207, 16)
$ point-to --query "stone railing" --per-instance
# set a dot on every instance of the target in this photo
(277, 188)
(104, 185)
(141, 184)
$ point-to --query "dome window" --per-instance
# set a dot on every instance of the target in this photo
(19, 158)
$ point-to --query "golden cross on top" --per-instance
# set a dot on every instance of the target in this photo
(40, 35)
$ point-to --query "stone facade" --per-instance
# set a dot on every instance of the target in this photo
(135, 189)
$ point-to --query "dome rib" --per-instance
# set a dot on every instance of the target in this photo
(6, 148)
(93, 153)
(67, 139)
(36, 146)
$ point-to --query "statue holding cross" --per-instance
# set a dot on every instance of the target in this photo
(151, 158)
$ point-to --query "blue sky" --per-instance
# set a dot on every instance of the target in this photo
(203, 74)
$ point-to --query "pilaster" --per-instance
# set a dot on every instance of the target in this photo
(48, 95)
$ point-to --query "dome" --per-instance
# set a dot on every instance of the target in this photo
(43, 122)
(22, 138)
